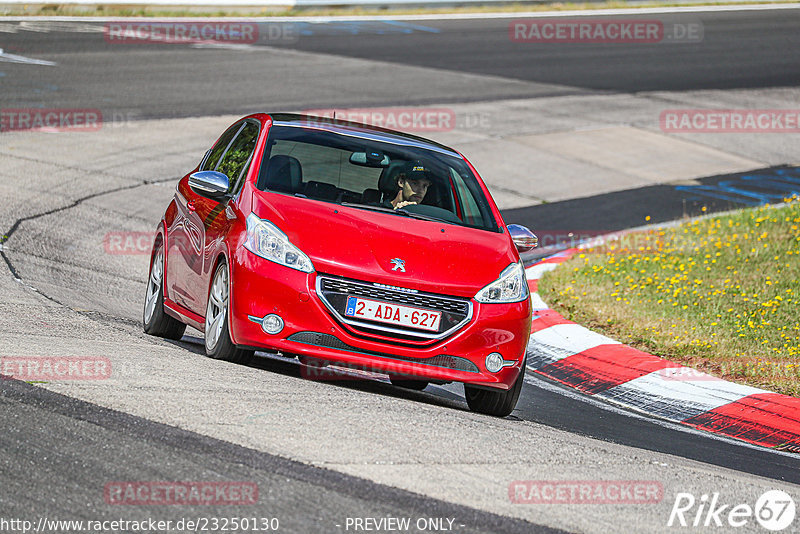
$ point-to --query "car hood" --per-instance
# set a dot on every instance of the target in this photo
(360, 244)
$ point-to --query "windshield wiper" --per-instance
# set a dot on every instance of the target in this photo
(377, 208)
(424, 217)
(400, 211)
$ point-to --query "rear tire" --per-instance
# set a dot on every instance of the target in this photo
(154, 320)
(217, 336)
(498, 403)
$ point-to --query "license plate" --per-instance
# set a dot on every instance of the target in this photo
(396, 314)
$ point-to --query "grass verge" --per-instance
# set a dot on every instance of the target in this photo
(720, 294)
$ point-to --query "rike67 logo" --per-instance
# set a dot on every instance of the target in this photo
(774, 510)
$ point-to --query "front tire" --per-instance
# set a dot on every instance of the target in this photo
(154, 320)
(217, 335)
(498, 403)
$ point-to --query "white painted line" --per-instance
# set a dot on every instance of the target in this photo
(537, 303)
(540, 355)
(536, 271)
(687, 373)
(432, 16)
(572, 338)
(226, 46)
(677, 399)
(541, 382)
(13, 58)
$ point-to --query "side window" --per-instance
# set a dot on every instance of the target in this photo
(238, 155)
(216, 152)
(469, 208)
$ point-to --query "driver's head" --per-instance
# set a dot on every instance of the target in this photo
(413, 183)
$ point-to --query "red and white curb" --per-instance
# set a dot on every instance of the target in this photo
(599, 366)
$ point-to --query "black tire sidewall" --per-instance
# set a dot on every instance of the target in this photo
(156, 324)
(497, 403)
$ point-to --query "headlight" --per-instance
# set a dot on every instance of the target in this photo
(266, 240)
(512, 286)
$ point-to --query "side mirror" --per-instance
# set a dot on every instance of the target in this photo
(523, 238)
(210, 184)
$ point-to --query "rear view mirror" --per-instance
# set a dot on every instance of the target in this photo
(369, 159)
(210, 184)
(523, 238)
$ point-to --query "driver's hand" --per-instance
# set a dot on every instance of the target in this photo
(403, 204)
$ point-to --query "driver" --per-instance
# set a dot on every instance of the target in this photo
(413, 182)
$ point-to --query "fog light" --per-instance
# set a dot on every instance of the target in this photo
(494, 362)
(272, 324)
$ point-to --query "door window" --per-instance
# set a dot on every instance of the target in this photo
(236, 160)
(216, 153)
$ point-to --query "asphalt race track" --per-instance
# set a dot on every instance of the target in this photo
(475, 59)
(321, 452)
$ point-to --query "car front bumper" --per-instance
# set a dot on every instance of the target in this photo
(260, 288)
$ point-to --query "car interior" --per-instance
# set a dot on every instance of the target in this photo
(285, 174)
(346, 174)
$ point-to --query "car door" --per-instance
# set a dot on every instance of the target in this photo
(186, 237)
(207, 220)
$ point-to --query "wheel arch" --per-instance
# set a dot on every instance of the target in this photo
(223, 256)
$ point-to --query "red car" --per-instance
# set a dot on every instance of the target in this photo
(345, 244)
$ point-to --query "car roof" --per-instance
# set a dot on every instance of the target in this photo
(360, 130)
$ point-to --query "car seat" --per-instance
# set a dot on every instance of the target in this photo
(284, 174)
(387, 183)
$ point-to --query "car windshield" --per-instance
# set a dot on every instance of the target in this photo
(364, 171)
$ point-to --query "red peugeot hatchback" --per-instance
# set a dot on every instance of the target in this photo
(345, 244)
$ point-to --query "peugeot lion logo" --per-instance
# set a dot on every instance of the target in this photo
(399, 265)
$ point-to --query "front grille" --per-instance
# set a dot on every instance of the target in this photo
(423, 300)
(329, 341)
(334, 292)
